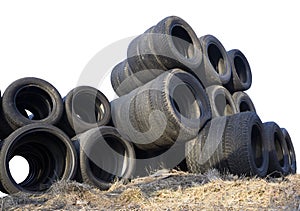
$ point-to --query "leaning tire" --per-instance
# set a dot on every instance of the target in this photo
(215, 67)
(104, 155)
(221, 101)
(173, 107)
(170, 44)
(291, 152)
(278, 152)
(86, 108)
(206, 151)
(241, 77)
(49, 152)
(35, 95)
(246, 148)
(243, 102)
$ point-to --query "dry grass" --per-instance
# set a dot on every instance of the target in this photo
(166, 190)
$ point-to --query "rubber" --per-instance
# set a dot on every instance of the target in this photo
(241, 77)
(123, 80)
(243, 102)
(35, 95)
(215, 66)
(246, 148)
(170, 44)
(50, 154)
(173, 107)
(85, 108)
(291, 152)
(206, 151)
(278, 151)
(221, 101)
(104, 156)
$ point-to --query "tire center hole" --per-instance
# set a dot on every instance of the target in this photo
(19, 168)
(216, 59)
(223, 106)
(182, 41)
(257, 146)
(244, 106)
(240, 68)
(278, 149)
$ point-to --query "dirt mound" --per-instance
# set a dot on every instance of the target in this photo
(173, 190)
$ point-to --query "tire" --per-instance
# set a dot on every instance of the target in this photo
(86, 108)
(206, 151)
(246, 148)
(215, 67)
(49, 152)
(123, 80)
(170, 44)
(172, 108)
(34, 95)
(278, 152)
(104, 155)
(5, 129)
(243, 102)
(221, 101)
(241, 77)
(291, 152)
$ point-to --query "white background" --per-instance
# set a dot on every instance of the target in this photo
(54, 40)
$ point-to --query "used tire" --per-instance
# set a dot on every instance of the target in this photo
(241, 76)
(246, 148)
(170, 44)
(243, 102)
(173, 107)
(291, 152)
(35, 95)
(123, 80)
(215, 67)
(104, 155)
(221, 101)
(206, 151)
(49, 152)
(85, 108)
(278, 152)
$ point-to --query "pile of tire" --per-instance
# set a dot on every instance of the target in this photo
(181, 105)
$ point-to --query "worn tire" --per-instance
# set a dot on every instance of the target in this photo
(123, 80)
(291, 152)
(171, 108)
(104, 155)
(221, 101)
(49, 152)
(35, 95)
(243, 102)
(215, 66)
(85, 108)
(246, 148)
(170, 44)
(278, 152)
(206, 151)
(241, 77)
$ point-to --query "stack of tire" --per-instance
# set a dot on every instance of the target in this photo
(181, 105)
(59, 137)
(177, 91)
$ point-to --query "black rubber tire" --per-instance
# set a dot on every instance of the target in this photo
(215, 66)
(123, 80)
(5, 129)
(103, 155)
(86, 107)
(221, 101)
(291, 152)
(206, 151)
(243, 102)
(35, 95)
(49, 152)
(241, 76)
(173, 107)
(278, 152)
(170, 44)
(246, 148)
